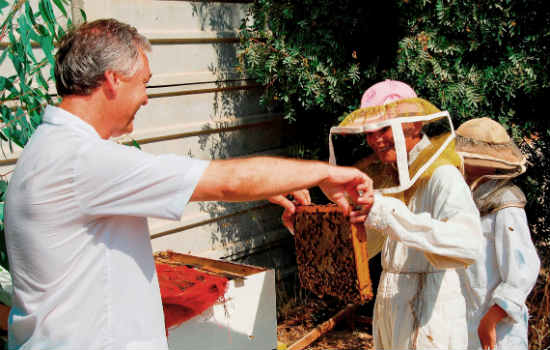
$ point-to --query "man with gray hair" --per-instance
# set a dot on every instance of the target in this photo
(77, 203)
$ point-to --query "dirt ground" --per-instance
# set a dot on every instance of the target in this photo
(353, 332)
(298, 312)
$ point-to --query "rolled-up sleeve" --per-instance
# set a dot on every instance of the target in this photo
(449, 235)
(517, 259)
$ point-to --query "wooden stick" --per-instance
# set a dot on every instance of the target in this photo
(323, 328)
(211, 265)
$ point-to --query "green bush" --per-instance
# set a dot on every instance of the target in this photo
(472, 58)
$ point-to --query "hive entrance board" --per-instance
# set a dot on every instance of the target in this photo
(331, 254)
(221, 268)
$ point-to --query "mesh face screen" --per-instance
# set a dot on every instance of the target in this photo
(394, 143)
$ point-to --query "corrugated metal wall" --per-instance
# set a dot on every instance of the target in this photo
(201, 106)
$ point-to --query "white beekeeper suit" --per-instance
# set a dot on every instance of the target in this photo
(509, 265)
(425, 227)
(419, 303)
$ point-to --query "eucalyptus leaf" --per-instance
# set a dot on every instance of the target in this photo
(33, 24)
(61, 7)
(11, 137)
(3, 55)
(135, 144)
(60, 32)
(17, 63)
(36, 119)
(47, 15)
(46, 43)
(43, 83)
(25, 28)
(35, 33)
(29, 13)
(3, 5)
(42, 30)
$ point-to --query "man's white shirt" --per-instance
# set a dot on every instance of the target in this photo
(78, 241)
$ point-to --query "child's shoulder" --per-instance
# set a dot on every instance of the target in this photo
(511, 192)
(506, 196)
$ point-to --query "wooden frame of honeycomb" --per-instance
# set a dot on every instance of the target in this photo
(331, 254)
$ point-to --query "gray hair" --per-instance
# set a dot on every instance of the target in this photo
(87, 52)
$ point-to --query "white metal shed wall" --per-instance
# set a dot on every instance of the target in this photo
(199, 105)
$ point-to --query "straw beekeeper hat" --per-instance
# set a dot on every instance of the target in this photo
(483, 142)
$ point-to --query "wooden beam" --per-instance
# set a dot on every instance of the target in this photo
(323, 328)
(210, 265)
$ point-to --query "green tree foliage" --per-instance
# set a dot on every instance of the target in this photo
(309, 54)
(474, 59)
(24, 94)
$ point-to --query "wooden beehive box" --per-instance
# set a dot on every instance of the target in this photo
(247, 319)
(331, 254)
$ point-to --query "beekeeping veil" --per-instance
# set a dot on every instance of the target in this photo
(348, 145)
(484, 143)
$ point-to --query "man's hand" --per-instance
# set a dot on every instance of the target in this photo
(362, 208)
(487, 327)
(346, 187)
(255, 178)
(301, 197)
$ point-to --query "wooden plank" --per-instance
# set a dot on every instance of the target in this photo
(210, 265)
(323, 328)
(359, 239)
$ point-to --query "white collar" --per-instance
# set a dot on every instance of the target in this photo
(59, 116)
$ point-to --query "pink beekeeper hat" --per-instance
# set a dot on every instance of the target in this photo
(385, 92)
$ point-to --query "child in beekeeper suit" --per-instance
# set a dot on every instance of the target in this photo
(499, 283)
(423, 220)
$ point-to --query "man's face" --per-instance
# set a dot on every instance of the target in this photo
(131, 95)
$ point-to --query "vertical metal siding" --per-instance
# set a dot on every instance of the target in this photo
(200, 106)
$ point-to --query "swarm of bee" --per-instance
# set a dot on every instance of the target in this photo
(331, 254)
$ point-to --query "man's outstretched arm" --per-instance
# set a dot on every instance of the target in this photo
(255, 178)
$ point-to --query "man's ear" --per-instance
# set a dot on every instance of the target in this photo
(110, 84)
